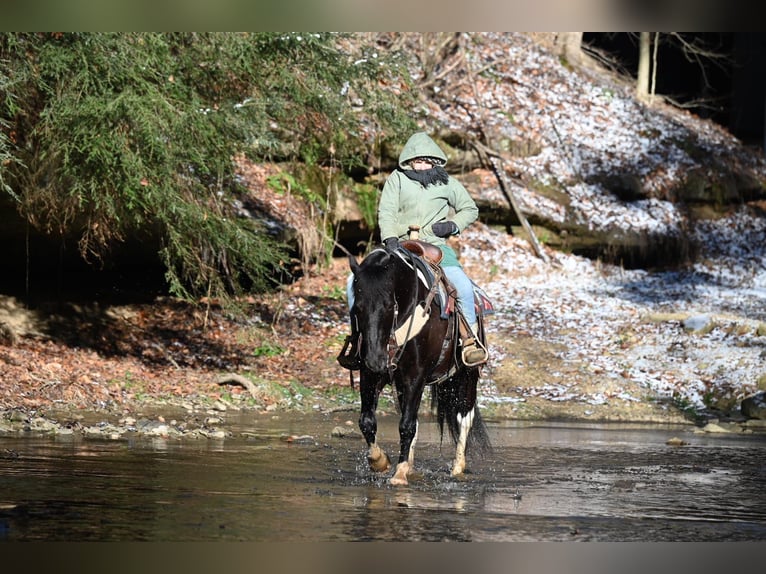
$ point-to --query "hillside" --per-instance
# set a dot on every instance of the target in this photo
(648, 306)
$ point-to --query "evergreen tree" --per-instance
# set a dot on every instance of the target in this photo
(108, 136)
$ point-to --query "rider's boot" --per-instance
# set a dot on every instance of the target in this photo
(474, 353)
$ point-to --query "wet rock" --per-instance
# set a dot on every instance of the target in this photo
(700, 324)
(300, 439)
(754, 406)
(343, 432)
(103, 430)
(16, 416)
(719, 427)
(675, 441)
(153, 428)
(212, 421)
(755, 424)
(40, 424)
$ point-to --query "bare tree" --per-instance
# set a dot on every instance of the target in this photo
(644, 65)
(694, 50)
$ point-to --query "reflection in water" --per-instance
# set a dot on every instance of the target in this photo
(423, 513)
(544, 482)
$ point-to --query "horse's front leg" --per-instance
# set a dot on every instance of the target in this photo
(408, 430)
(465, 422)
(369, 389)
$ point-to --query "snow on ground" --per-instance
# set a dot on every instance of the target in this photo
(585, 127)
(624, 324)
(602, 314)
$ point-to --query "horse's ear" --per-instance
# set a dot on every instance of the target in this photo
(353, 264)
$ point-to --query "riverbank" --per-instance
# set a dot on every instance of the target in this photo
(570, 340)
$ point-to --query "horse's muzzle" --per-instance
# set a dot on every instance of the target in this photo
(382, 360)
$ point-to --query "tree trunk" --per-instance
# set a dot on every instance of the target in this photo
(570, 46)
(644, 64)
(654, 64)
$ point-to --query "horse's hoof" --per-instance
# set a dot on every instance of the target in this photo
(400, 476)
(457, 470)
(378, 460)
(380, 466)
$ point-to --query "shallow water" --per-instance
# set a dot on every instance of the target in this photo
(544, 482)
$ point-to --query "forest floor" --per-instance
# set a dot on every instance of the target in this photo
(280, 353)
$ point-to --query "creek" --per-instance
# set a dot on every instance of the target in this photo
(287, 478)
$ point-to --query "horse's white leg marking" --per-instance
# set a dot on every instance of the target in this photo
(400, 476)
(411, 457)
(465, 426)
(378, 459)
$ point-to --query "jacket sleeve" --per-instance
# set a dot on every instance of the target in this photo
(465, 208)
(388, 209)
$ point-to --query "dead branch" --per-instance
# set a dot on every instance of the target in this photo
(494, 160)
(233, 378)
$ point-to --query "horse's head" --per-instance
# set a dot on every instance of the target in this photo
(379, 282)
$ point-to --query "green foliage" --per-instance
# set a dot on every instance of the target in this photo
(284, 183)
(686, 407)
(268, 349)
(336, 292)
(6, 156)
(367, 200)
(108, 136)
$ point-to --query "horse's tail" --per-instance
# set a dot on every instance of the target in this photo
(458, 395)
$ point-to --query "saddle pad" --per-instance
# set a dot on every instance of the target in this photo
(484, 305)
(412, 326)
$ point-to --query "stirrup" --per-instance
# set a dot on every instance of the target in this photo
(351, 360)
(474, 354)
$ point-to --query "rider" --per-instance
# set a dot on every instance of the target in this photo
(421, 192)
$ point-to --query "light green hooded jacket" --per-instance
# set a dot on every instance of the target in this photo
(404, 202)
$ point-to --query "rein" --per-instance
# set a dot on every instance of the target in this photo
(393, 343)
(416, 321)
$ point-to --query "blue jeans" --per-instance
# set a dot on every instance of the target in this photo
(456, 276)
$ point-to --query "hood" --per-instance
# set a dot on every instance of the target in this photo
(420, 145)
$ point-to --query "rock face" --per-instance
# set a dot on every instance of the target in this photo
(559, 226)
(754, 406)
(593, 170)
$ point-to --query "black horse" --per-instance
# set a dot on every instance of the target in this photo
(408, 338)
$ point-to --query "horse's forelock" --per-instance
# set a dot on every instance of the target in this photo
(375, 275)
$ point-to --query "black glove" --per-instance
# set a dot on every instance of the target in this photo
(444, 228)
(391, 244)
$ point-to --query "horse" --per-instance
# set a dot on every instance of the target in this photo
(407, 339)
